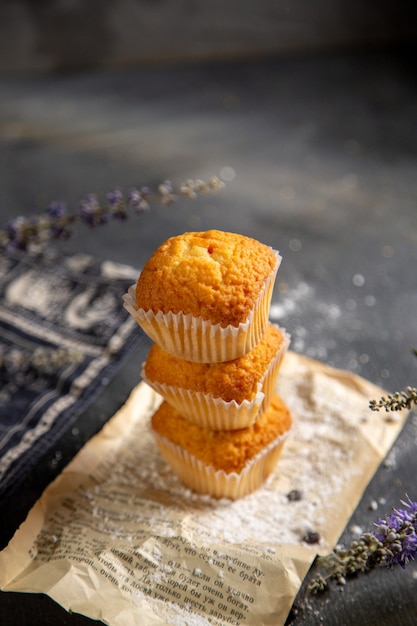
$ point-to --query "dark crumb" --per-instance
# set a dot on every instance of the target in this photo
(311, 537)
(294, 495)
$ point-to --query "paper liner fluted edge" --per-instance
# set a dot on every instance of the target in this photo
(195, 339)
(208, 411)
(205, 479)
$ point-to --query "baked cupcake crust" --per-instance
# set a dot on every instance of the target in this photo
(229, 451)
(214, 275)
(231, 380)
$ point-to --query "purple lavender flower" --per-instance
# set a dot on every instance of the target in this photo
(58, 224)
(16, 231)
(138, 200)
(411, 514)
(397, 532)
(114, 197)
(167, 193)
(394, 542)
(29, 234)
(117, 204)
(57, 210)
(90, 212)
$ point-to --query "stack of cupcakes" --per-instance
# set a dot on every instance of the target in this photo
(204, 299)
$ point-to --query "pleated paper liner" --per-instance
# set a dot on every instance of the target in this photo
(205, 479)
(195, 339)
(212, 412)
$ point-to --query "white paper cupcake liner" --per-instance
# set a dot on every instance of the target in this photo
(204, 479)
(269, 380)
(194, 339)
(207, 411)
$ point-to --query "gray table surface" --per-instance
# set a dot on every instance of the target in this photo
(320, 153)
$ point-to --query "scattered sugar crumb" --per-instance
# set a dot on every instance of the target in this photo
(156, 553)
(390, 461)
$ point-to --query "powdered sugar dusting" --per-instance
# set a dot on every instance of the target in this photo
(331, 323)
(173, 557)
(319, 462)
(321, 314)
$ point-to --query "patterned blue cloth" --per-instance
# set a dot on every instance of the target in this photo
(63, 330)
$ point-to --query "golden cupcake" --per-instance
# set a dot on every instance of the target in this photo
(205, 296)
(222, 464)
(222, 396)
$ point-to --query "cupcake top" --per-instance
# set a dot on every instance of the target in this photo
(221, 449)
(212, 274)
(232, 380)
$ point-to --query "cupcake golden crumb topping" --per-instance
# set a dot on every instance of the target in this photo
(214, 275)
(226, 450)
(231, 380)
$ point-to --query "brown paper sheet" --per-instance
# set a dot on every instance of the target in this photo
(116, 537)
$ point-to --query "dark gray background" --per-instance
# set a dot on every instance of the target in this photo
(322, 139)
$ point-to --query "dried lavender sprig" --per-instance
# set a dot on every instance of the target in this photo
(22, 233)
(394, 542)
(42, 360)
(396, 401)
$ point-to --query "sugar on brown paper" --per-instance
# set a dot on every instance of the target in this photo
(116, 537)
